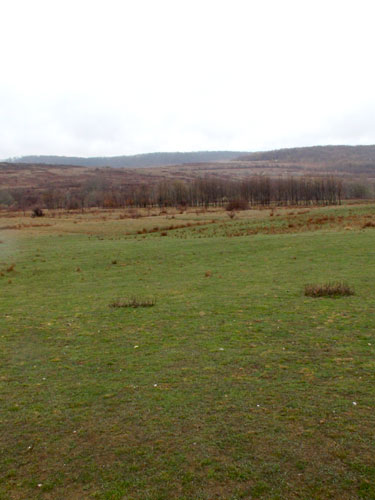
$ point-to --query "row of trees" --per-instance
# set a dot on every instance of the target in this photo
(256, 190)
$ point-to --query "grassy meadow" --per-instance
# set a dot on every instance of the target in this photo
(232, 385)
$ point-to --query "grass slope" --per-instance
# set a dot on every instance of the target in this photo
(234, 385)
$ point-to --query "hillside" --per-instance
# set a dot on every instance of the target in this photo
(132, 161)
(321, 155)
(353, 163)
(338, 160)
(43, 176)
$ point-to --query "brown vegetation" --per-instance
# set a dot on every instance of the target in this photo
(37, 212)
(133, 302)
(11, 268)
(368, 224)
(201, 193)
(297, 176)
(331, 289)
(239, 204)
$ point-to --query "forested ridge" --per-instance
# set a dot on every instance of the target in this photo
(139, 160)
(327, 155)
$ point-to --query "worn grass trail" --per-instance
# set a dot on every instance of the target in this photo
(234, 385)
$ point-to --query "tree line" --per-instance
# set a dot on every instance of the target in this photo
(207, 191)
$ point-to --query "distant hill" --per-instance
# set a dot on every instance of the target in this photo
(353, 163)
(322, 155)
(131, 161)
(342, 158)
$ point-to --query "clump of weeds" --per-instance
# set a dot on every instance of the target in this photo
(133, 302)
(331, 289)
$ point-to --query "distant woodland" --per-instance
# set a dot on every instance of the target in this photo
(257, 190)
(298, 176)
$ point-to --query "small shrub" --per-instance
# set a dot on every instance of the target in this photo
(334, 289)
(11, 268)
(37, 212)
(237, 205)
(133, 302)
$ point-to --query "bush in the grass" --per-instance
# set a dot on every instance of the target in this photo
(239, 204)
(330, 289)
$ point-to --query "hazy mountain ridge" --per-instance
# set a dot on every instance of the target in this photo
(343, 156)
(135, 161)
(328, 155)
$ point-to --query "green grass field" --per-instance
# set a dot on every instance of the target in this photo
(234, 385)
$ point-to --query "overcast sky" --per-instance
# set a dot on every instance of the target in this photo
(109, 77)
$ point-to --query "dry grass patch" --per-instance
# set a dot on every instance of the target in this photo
(330, 289)
(133, 302)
